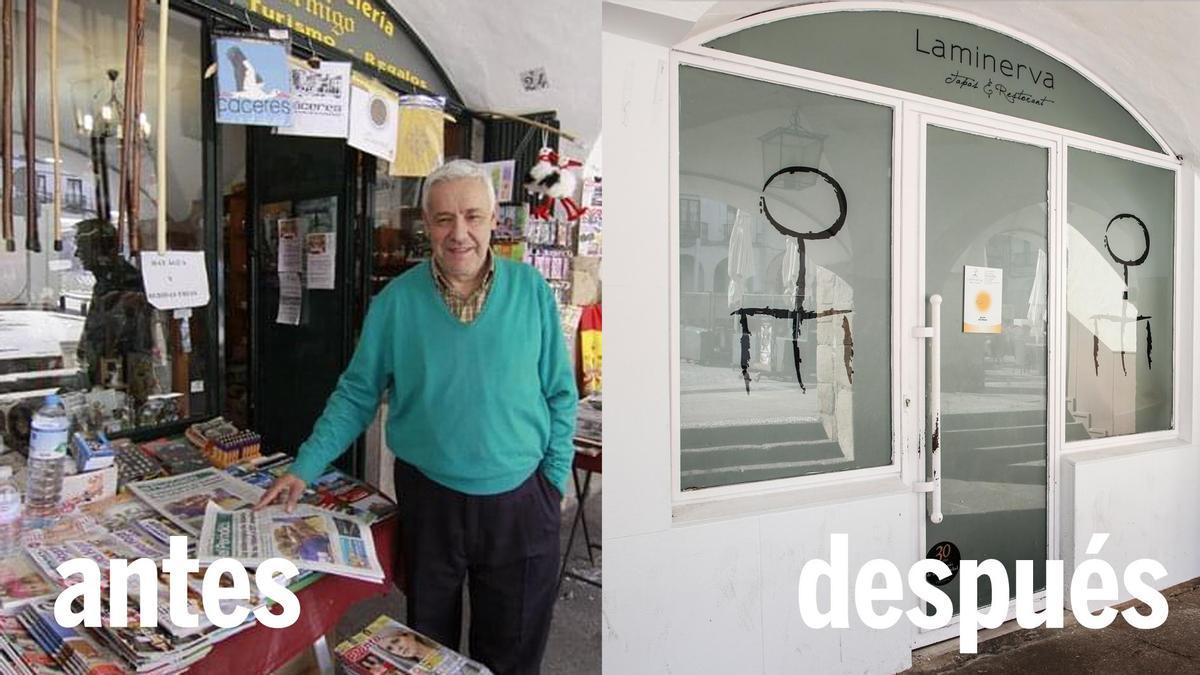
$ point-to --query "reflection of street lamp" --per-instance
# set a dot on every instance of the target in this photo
(792, 145)
(105, 122)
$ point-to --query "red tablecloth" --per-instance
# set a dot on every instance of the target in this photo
(259, 649)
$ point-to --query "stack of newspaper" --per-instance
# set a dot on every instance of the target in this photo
(72, 650)
(312, 538)
(183, 499)
(20, 653)
(214, 505)
(388, 647)
(330, 533)
(167, 648)
(119, 527)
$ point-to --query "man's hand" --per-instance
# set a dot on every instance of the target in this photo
(287, 488)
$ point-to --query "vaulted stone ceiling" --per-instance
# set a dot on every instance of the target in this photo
(485, 46)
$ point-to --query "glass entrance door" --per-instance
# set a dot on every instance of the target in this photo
(986, 255)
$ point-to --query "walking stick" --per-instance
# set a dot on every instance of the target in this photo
(56, 223)
(32, 240)
(6, 127)
(126, 136)
(164, 10)
(135, 116)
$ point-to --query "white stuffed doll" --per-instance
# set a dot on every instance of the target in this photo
(553, 179)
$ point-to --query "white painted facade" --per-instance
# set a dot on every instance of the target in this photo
(697, 584)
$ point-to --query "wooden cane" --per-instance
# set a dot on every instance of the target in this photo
(135, 115)
(6, 128)
(130, 45)
(33, 241)
(56, 223)
(164, 10)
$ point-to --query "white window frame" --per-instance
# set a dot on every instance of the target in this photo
(891, 470)
(920, 118)
(907, 380)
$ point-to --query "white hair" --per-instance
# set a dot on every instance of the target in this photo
(457, 169)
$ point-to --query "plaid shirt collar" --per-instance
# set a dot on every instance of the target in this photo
(465, 308)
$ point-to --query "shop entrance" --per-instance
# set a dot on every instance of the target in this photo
(987, 200)
(302, 187)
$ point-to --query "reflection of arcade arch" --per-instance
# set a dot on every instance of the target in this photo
(687, 273)
(720, 277)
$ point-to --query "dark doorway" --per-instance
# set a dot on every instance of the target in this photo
(313, 181)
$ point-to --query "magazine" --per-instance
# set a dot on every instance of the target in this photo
(125, 513)
(388, 647)
(81, 488)
(22, 651)
(313, 539)
(182, 499)
(333, 491)
(144, 649)
(99, 547)
(73, 649)
(336, 491)
(128, 543)
(21, 583)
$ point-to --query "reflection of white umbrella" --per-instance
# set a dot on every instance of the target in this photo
(1037, 297)
(791, 265)
(1095, 294)
(741, 256)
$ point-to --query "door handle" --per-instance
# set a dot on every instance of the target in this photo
(933, 333)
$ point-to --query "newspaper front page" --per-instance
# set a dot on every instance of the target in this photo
(312, 538)
(182, 499)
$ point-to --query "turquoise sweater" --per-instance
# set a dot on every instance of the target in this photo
(476, 407)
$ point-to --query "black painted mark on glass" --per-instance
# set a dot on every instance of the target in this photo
(847, 349)
(798, 313)
(1122, 319)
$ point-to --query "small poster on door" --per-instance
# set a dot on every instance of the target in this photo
(320, 265)
(320, 99)
(291, 243)
(175, 279)
(983, 293)
(373, 113)
(253, 81)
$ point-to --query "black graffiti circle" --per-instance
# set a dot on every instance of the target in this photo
(1145, 237)
(789, 232)
(948, 553)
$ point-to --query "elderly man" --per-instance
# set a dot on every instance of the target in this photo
(481, 417)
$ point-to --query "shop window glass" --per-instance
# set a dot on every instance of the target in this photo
(820, 403)
(1120, 322)
(398, 241)
(77, 320)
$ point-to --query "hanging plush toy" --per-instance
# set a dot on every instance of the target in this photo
(553, 179)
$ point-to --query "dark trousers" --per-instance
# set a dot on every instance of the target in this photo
(505, 546)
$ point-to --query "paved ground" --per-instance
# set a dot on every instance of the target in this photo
(1173, 647)
(574, 647)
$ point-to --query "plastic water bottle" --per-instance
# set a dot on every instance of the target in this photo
(10, 514)
(49, 431)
